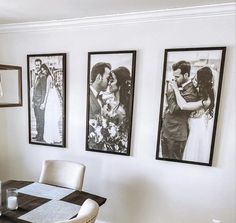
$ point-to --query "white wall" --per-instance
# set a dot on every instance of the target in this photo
(138, 188)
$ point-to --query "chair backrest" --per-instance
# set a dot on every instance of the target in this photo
(63, 173)
(87, 213)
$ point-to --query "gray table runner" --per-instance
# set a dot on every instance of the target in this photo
(51, 211)
(45, 191)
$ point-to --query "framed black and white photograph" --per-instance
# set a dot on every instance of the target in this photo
(190, 98)
(10, 86)
(110, 93)
(47, 99)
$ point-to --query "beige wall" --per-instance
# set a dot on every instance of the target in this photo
(139, 189)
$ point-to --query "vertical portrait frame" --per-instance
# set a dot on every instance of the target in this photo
(10, 86)
(110, 130)
(180, 129)
(50, 98)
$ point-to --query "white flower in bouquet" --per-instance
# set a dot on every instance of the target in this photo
(104, 122)
(116, 147)
(99, 133)
(93, 123)
(93, 136)
(124, 142)
(113, 129)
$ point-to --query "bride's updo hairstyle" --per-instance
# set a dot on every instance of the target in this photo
(124, 84)
(205, 84)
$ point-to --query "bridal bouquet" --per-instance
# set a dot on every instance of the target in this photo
(108, 134)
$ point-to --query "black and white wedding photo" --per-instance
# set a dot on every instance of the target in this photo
(110, 87)
(46, 99)
(191, 88)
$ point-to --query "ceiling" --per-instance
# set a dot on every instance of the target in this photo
(21, 11)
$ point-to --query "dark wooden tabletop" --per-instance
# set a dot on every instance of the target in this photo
(27, 203)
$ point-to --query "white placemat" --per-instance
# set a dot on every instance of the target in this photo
(51, 211)
(45, 191)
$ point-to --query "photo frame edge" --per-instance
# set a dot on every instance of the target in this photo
(133, 52)
(20, 91)
(223, 49)
(63, 145)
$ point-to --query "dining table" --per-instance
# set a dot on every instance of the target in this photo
(27, 203)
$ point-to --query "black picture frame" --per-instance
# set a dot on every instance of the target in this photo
(47, 99)
(185, 134)
(10, 86)
(109, 119)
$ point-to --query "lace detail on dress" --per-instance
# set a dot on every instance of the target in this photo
(198, 113)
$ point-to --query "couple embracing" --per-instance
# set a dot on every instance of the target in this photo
(190, 104)
(109, 108)
(109, 91)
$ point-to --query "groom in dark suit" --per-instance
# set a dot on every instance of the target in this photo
(99, 81)
(175, 129)
(39, 92)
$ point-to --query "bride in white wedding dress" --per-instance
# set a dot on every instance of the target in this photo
(53, 110)
(198, 145)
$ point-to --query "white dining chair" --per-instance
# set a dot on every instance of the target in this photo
(87, 213)
(63, 173)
